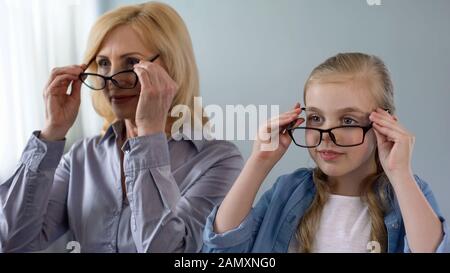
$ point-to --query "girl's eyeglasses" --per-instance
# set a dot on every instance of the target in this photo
(343, 136)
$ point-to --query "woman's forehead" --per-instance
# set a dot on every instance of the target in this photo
(122, 40)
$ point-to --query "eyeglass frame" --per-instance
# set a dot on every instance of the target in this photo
(110, 78)
(365, 129)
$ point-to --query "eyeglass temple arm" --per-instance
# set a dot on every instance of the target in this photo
(154, 58)
(291, 125)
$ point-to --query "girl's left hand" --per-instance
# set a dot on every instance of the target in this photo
(158, 90)
(395, 144)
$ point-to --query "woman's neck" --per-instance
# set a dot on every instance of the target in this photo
(130, 129)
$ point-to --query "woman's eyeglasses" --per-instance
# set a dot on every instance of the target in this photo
(126, 79)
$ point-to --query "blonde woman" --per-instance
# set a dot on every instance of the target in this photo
(361, 197)
(133, 188)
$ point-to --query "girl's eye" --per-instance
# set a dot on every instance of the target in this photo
(349, 121)
(314, 119)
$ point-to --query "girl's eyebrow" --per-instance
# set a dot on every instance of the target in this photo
(351, 110)
(340, 111)
(313, 109)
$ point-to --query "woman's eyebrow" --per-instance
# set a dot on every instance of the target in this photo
(131, 53)
(121, 56)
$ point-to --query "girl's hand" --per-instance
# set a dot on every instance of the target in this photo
(273, 140)
(157, 92)
(61, 109)
(395, 144)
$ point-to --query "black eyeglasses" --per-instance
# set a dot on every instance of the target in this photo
(343, 136)
(126, 79)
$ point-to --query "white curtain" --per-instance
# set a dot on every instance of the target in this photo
(37, 35)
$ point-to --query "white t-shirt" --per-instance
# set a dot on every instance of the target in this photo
(345, 226)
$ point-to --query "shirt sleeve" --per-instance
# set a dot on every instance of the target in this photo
(33, 200)
(444, 245)
(242, 238)
(162, 218)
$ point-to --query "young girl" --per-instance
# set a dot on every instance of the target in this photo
(361, 197)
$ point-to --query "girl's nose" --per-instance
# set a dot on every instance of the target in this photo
(326, 138)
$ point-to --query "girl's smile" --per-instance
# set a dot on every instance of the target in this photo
(329, 155)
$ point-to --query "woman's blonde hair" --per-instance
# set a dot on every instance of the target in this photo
(161, 29)
(376, 187)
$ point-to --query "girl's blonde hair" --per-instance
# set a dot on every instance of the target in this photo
(161, 29)
(376, 187)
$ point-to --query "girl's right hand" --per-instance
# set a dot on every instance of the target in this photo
(61, 109)
(273, 140)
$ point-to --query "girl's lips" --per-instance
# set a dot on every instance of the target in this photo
(329, 155)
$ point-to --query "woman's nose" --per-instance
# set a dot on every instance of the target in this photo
(115, 68)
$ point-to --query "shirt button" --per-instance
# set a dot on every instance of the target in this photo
(395, 225)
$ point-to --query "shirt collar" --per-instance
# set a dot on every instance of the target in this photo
(179, 136)
(116, 129)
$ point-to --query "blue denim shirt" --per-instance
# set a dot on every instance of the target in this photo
(271, 224)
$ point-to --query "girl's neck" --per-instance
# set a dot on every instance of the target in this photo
(351, 183)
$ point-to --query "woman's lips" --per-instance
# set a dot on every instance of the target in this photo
(329, 155)
(122, 99)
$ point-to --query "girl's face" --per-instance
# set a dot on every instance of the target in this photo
(120, 51)
(341, 103)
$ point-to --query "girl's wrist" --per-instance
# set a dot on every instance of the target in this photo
(262, 163)
(400, 178)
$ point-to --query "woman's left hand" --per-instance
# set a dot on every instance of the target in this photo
(158, 90)
(395, 144)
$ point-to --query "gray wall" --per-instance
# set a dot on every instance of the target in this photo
(261, 51)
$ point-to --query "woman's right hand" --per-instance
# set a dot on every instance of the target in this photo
(61, 109)
(273, 140)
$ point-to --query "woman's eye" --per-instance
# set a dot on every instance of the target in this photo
(133, 61)
(102, 63)
(349, 121)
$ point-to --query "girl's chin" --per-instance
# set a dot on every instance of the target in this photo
(332, 169)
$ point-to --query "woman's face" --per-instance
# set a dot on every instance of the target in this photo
(121, 50)
(337, 104)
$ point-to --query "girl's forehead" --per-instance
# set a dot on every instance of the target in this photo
(333, 97)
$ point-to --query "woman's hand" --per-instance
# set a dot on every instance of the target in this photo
(158, 90)
(273, 140)
(61, 109)
(395, 144)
